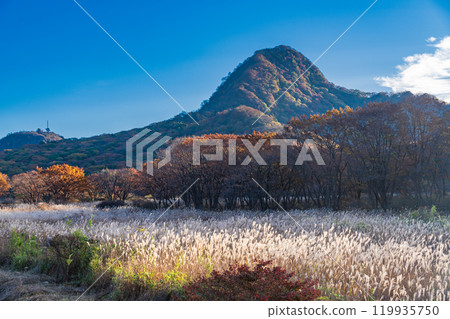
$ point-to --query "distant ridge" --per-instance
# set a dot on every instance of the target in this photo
(241, 98)
(19, 139)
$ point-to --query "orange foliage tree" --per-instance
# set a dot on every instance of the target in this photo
(4, 184)
(63, 182)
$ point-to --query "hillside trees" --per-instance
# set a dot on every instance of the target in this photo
(324, 185)
(426, 129)
(372, 156)
(378, 150)
(171, 180)
(223, 182)
(63, 183)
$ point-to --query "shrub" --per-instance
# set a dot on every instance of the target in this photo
(243, 283)
(7, 202)
(145, 204)
(426, 215)
(24, 250)
(110, 204)
(73, 255)
(133, 285)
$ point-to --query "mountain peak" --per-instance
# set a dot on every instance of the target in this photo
(291, 61)
(280, 50)
(261, 80)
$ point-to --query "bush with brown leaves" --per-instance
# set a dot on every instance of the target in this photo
(240, 282)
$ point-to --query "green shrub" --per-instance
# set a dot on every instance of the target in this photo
(24, 249)
(175, 279)
(73, 255)
(133, 285)
(426, 215)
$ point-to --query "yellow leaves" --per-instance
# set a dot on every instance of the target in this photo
(63, 181)
(4, 184)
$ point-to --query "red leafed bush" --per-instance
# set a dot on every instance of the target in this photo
(244, 283)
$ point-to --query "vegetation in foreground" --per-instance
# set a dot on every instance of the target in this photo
(353, 255)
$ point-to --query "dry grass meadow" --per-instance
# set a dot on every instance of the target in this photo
(354, 255)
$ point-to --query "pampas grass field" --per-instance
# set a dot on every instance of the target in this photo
(353, 255)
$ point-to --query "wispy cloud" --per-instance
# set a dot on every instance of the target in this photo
(424, 73)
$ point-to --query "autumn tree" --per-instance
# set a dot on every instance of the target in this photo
(216, 179)
(377, 152)
(29, 187)
(4, 184)
(93, 190)
(426, 135)
(63, 182)
(115, 184)
(330, 133)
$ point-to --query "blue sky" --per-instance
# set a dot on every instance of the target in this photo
(57, 65)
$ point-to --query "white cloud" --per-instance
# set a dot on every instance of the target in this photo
(431, 39)
(424, 73)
